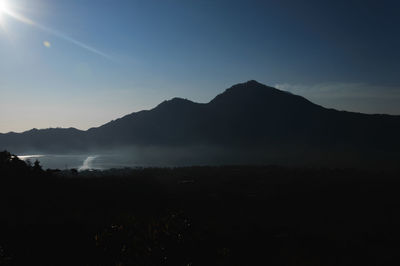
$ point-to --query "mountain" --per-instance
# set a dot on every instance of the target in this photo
(248, 123)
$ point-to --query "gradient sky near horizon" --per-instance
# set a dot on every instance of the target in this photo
(82, 63)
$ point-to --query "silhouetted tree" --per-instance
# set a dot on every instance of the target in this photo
(37, 168)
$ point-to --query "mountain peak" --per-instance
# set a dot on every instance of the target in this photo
(174, 103)
(248, 91)
(253, 82)
(175, 100)
(251, 87)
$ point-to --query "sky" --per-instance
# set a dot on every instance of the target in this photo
(82, 63)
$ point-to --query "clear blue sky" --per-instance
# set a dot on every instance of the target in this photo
(81, 63)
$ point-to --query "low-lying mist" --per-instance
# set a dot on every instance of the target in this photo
(200, 155)
(149, 157)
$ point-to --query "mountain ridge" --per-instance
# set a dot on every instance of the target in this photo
(179, 99)
(248, 118)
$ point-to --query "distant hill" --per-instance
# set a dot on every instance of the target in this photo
(248, 123)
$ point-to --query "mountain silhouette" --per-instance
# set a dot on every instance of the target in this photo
(250, 119)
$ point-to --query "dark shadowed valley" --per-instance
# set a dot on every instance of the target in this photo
(231, 215)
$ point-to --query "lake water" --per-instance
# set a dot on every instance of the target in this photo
(81, 161)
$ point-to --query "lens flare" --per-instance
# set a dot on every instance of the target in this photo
(6, 9)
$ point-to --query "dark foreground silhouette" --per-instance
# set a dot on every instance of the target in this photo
(198, 216)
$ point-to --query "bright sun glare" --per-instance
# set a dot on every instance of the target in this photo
(3, 8)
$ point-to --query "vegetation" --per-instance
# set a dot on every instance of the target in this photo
(233, 215)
